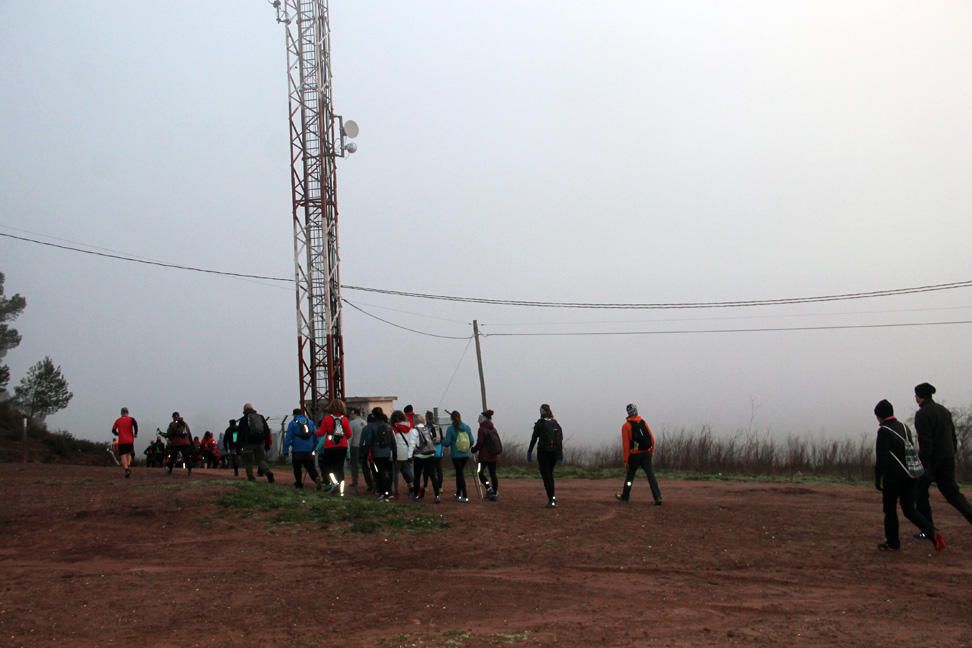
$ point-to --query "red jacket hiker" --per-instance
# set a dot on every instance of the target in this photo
(626, 439)
(327, 427)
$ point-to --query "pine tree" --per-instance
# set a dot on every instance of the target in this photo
(43, 391)
(10, 308)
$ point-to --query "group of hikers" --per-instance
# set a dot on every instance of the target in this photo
(905, 467)
(405, 447)
(409, 448)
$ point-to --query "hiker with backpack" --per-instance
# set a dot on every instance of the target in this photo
(896, 468)
(405, 440)
(458, 439)
(488, 449)
(126, 429)
(434, 431)
(357, 428)
(180, 442)
(255, 441)
(638, 445)
(548, 439)
(334, 432)
(937, 445)
(378, 450)
(425, 460)
(301, 437)
(231, 446)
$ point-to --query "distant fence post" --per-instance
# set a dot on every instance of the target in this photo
(24, 437)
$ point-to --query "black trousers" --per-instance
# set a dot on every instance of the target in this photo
(459, 463)
(493, 481)
(436, 471)
(186, 451)
(333, 463)
(547, 460)
(426, 467)
(901, 490)
(643, 461)
(304, 461)
(383, 474)
(943, 474)
(367, 470)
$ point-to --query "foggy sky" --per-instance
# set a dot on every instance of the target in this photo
(591, 151)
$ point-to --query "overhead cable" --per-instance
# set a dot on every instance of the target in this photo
(405, 328)
(741, 330)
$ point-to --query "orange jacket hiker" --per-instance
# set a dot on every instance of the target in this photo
(626, 438)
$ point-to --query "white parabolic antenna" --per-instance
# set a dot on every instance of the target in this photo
(351, 129)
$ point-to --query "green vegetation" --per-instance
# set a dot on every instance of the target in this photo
(347, 514)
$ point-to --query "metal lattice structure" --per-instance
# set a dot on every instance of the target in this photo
(316, 140)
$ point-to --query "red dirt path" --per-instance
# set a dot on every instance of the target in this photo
(89, 559)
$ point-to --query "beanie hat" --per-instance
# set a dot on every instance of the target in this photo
(883, 409)
(924, 390)
(632, 409)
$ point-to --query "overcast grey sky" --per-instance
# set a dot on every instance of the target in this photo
(592, 151)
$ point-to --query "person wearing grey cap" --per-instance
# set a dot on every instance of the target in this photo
(936, 449)
(638, 445)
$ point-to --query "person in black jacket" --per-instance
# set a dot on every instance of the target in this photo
(892, 478)
(548, 439)
(231, 446)
(936, 448)
(254, 435)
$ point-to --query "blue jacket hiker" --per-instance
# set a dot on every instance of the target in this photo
(460, 441)
(301, 438)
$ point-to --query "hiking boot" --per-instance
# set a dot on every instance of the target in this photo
(269, 477)
(658, 502)
(128, 473)
(320, 485)
(463, 500)
(621, 498)
(552, 503)
(438, 500)
(884, 546)
(921, 535)
(939, 541)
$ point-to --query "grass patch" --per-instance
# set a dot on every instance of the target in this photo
(348, 514)
(566, 471)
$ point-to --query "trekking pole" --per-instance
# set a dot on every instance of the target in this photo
(479, 485)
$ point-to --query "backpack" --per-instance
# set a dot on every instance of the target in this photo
(338, 434)
(180, 429)
(383, 438)
(462, 441)
(551, 436)
(912, 464)
(640, 436)
(425, 444)
(303, 429)
(492, 443)
(255, 428)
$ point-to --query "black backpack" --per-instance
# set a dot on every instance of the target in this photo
(383, 436)
(338, 432)
(551, 435)
(493, 444)
(255, 428)
(640, 437)
(303, 429)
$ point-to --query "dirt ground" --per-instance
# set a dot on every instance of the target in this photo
(90, 559)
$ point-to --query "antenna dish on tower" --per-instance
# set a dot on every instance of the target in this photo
(350, 129)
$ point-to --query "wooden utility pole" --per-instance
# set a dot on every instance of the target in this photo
(479, 361)
(25, 440)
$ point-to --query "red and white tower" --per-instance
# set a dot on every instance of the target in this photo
(317, 138)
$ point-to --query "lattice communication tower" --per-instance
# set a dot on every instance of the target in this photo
(317, 138)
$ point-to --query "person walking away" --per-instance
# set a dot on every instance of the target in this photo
(254, 435)
(357, 429)
(232, 445)
(125, 429)
(424, 459)
(638, 445)
(937, 445)
(458, 439)
(301, 438)
(378, 448)
(893, 479)
(405, 439)
(548, 439)
(410, 415)
(435, 431)
(180, 442)
(334, 432)
(488, 449)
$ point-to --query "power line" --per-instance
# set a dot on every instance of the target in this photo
(405, 328)
(455, 372)
(746, 330)
(539, 304)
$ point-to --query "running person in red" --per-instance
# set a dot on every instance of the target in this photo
(126, 429)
